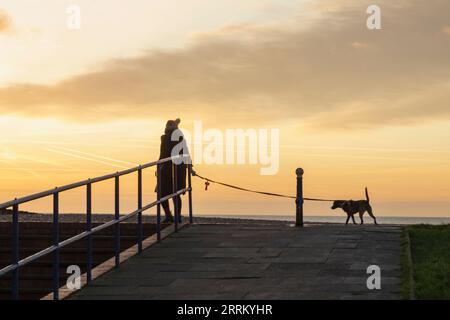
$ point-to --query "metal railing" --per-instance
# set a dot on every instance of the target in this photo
(16, 264)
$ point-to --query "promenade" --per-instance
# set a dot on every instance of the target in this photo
(259, 260)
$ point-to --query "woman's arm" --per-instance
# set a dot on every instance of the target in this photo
(162, 147)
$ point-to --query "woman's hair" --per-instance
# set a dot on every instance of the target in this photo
(172, 125)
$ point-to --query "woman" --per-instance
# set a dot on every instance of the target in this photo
(167, 144)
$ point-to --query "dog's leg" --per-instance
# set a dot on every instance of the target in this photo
(348, 218)
(361, 213)
(353, 218)
(369, 210)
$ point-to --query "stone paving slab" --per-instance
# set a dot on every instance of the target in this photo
(259, 261)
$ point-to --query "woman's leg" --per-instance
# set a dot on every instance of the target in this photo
(177, 204)
(165, 205)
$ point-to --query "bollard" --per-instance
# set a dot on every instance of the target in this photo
(158, 198)
(191, 220)
(175, 190)
(117, 217)
(89, 229)
(15, 252)
(56, 256)
(299, 200)
(139, 205)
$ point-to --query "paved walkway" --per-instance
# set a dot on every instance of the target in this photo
(259, 261)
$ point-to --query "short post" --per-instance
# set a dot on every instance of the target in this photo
(140, 210)
(56, 244)
(158, 198)
(190, 192)
(117, 217)
(89, 229)
(299, 199)
(175, 190)
(15, 252)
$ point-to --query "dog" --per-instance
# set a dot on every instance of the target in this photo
(351, 207)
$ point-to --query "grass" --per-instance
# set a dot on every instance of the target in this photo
(430, 256)
(407, 275)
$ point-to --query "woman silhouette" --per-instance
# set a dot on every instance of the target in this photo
(168, 142)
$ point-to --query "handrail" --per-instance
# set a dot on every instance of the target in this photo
(84, 234)
(57, 245)
(50, 192)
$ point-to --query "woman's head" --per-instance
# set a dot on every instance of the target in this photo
(172, 125)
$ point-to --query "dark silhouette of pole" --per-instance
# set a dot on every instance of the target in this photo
(56, 244)
(158, 208)
(117, 217)
(15, 252)
(139, 200)
(191, 220)
(89, 229)
(299, 199)
(175, 190)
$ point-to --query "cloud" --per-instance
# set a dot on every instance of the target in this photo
(446, 30)
(333, 72)
(416, 108)
(5, 22)
(359, 45)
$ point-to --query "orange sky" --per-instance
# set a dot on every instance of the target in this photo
(354, 107)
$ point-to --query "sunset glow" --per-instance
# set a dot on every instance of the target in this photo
(355, 107)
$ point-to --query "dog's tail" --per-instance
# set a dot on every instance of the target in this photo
(367, 195)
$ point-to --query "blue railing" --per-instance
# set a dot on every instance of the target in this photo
(16, 264)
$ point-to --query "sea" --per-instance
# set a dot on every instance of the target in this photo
(341, 219)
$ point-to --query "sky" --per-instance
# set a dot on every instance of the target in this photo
(355, 107)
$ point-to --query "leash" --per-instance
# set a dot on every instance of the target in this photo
(209, 181)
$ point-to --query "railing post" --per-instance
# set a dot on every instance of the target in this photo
(140, 212)
(158, 206)
(89, 229)
(191, 220)
(299, 199)
(15, 252)
(175, 190)
(56, 244)
(117, 225)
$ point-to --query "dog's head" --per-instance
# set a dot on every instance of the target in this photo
(338, 204)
